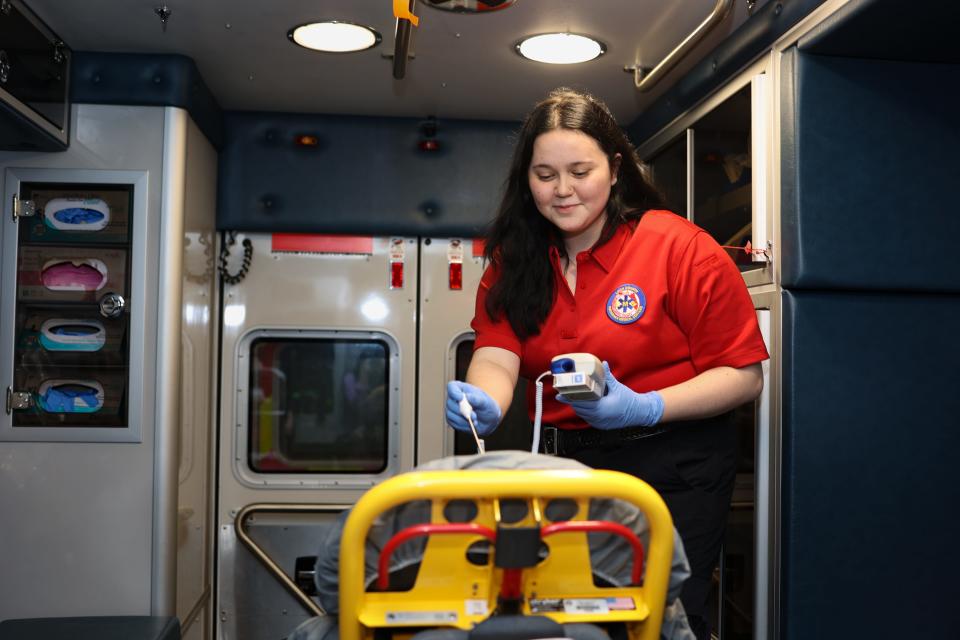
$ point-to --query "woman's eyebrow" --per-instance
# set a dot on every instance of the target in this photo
(572, 164)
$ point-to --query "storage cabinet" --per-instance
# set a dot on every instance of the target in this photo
(67, 306)
(34, 79)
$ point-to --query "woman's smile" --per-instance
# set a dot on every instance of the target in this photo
(570, 178)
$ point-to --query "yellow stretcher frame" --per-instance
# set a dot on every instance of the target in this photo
(450, 592)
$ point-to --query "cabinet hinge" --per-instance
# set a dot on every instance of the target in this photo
(23, 208)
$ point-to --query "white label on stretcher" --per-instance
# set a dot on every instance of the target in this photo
(585, 605)
(421, 617)
(476, 607)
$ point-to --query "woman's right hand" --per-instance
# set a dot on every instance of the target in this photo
(486, 412)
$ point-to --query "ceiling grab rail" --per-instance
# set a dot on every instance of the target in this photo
(406, 21)
(239, 522)
(644, 82)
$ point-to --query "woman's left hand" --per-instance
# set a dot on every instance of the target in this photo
(619, 407)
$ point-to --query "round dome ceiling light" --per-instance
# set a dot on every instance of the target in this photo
(560, 48)
(470, 6)
(334, 36)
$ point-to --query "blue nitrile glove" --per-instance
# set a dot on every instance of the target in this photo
(619, 407)
(486, 411)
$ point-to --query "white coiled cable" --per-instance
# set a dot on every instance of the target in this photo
(538, 412)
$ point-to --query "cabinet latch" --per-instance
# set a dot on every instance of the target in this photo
(23, 208)
(18, 400)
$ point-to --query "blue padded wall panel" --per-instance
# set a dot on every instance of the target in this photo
(366, 175)
(870, 488)
(167, 80)
(889, 30)
(869, 173)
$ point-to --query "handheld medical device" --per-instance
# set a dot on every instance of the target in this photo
(576, 376)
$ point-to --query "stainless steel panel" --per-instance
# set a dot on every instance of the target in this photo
(82, 512)
(253, 604)
(197, 407)
(285, 293)
(445, 316)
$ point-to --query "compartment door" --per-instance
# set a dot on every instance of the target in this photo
(446, 346)
(317, 405)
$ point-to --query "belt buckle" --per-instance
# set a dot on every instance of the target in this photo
(551, 443)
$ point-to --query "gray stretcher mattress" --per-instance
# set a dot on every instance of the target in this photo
(611, 556)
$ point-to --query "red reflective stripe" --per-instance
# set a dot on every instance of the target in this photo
(396, 275)
(595, 526)
(383, 577)
(320, 243)
(456, 275)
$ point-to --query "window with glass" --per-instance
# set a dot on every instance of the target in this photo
(668, 168)
(515, 431)
(723, 194)
(318, 405)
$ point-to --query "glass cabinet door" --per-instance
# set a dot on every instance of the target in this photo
(723, 174)
(668, 168)
(71, 349)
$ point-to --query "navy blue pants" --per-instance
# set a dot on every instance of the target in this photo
(692, 466)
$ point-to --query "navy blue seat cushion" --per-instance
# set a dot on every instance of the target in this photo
(92, 628)
(869, 168)
(871, 434)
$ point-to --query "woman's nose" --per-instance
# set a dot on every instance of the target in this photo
(564, 187)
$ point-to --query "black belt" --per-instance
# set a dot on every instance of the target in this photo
(563, 442)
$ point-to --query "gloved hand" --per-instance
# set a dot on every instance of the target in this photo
(486, 411)
(619, 407)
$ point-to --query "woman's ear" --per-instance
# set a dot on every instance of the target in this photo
(615, 168)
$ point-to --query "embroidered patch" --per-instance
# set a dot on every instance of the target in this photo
(626, 304)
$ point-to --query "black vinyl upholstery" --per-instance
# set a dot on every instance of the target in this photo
(517, 628)
(92, 628)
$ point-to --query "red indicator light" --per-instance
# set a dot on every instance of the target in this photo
(429, 145)
(456, 275)
(396, 275)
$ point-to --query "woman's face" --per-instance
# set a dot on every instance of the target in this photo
(570, 179)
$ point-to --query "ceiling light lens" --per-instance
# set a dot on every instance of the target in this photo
(335, 37)
(560, 48)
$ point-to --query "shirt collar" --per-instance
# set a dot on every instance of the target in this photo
(606, 254)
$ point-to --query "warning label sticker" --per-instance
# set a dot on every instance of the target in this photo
(582, 605)
(476, 607)
(421, 617)
(585, 605)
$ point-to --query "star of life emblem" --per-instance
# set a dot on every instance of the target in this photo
(626, 304)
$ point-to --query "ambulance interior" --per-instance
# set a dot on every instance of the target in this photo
(238, 273)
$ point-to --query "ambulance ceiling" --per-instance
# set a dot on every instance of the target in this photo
(464, 66)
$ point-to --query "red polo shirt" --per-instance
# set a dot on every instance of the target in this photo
(661, 303)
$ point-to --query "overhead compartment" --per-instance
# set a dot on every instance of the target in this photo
(34, 82)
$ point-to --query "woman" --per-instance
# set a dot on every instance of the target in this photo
(583, 258)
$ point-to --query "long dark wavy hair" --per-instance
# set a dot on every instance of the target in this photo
(519, 240)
